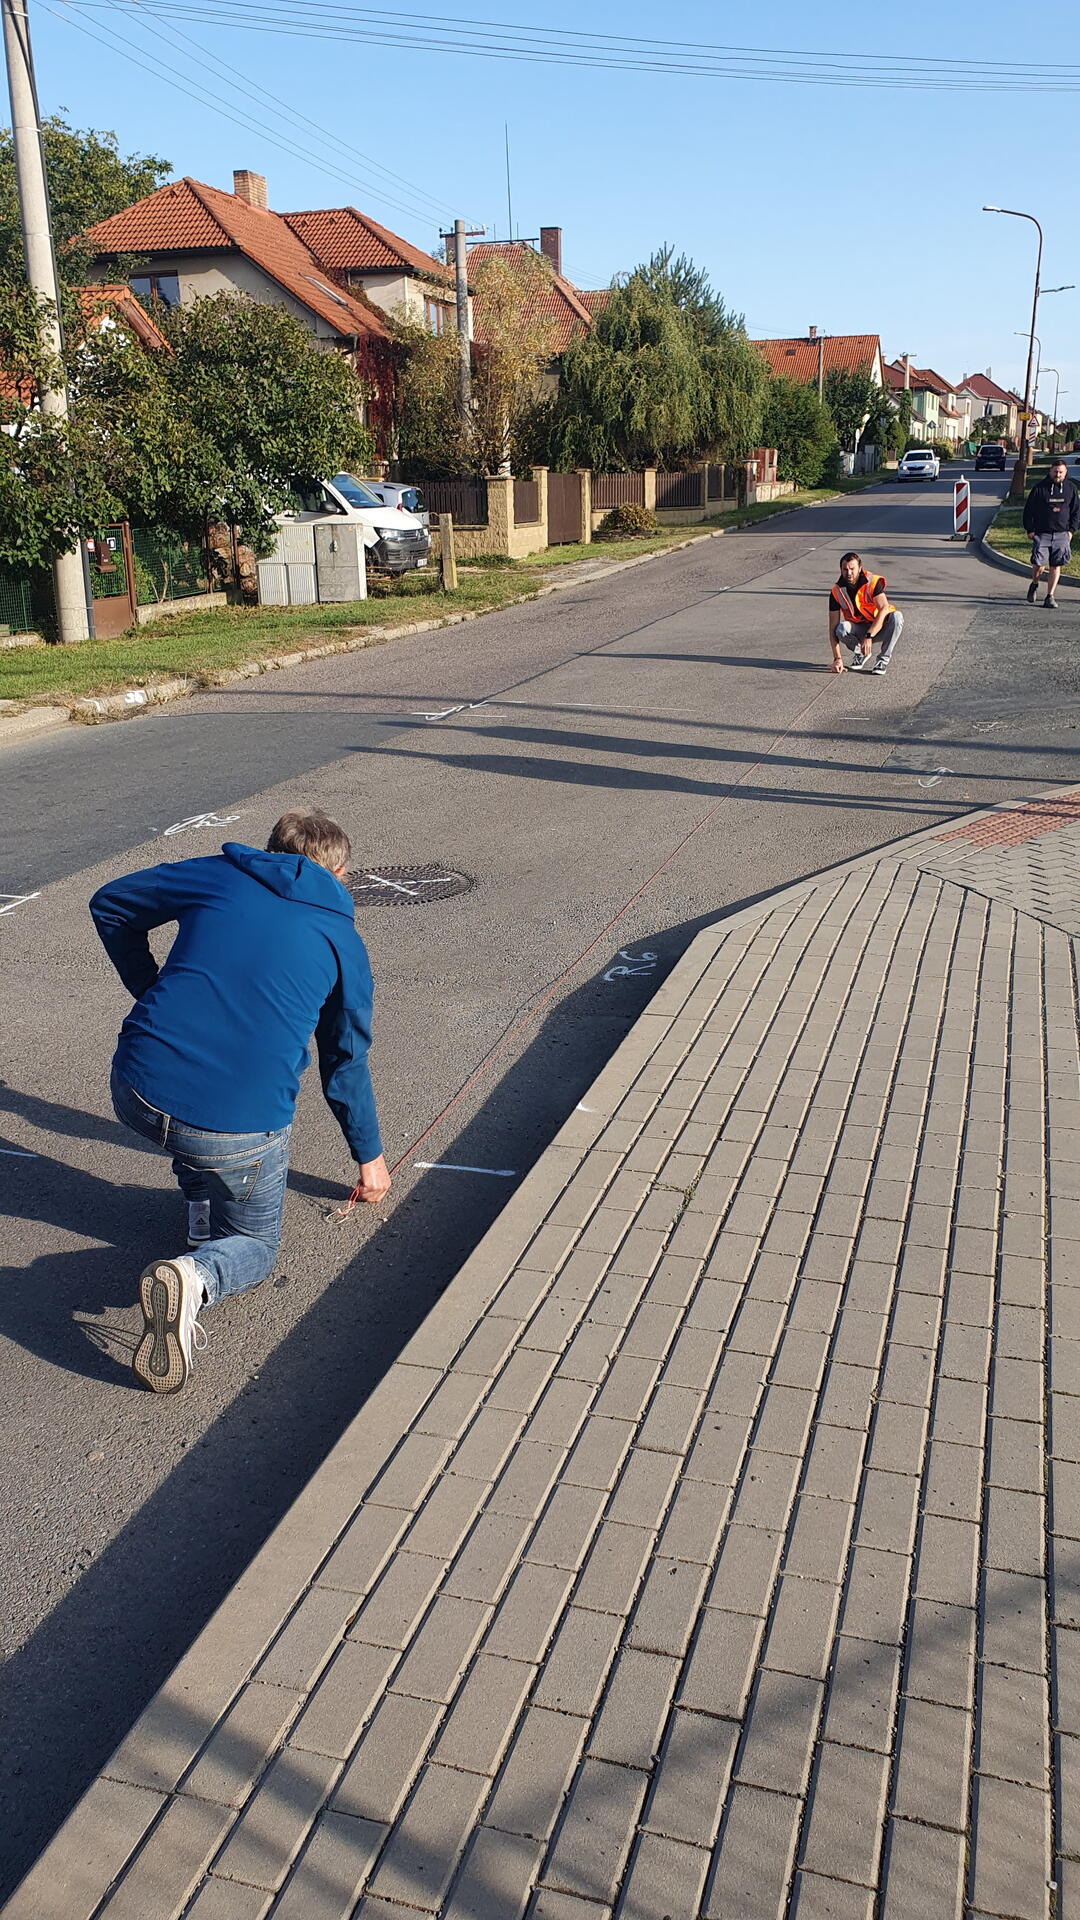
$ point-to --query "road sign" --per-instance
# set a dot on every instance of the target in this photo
(1032, 430)
(961, 509)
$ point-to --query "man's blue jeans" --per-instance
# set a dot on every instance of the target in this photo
(242, 1175)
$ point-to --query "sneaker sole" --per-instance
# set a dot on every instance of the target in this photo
(158, 1361)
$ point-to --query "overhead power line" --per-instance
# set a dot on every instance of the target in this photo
(500, 40)
(152, 65)
(428, 207)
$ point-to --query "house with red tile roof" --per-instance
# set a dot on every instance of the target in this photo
(805, 356)
(401, 279)
(939, 411)
(568, 310)
(195, 240)
(989, 401)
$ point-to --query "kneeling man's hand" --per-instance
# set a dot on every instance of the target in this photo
(373, 1181)
(838, 666)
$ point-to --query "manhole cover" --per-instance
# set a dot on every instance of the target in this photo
(406, 886)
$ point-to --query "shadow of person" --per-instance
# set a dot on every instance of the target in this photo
(52, 1304)
(53, 1117)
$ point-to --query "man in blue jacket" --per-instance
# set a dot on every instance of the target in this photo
(209, 1059)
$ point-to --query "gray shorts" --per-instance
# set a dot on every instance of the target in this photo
(1050, 550)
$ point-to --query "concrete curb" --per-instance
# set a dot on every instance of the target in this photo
(73, 1875)
(1005, 561)
(95, 710)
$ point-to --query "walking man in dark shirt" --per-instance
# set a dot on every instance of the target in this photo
(860, 613)
(1051, 514)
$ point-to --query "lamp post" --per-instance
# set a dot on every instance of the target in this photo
(1016, 491)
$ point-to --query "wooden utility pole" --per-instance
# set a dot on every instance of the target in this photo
(459, 236)
(68, 578)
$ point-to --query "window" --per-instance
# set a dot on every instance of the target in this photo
(162, 287)
(436, 316)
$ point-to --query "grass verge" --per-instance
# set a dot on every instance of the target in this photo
(1007, 536)
(202, 646)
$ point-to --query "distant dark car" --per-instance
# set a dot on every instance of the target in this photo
(990, 454)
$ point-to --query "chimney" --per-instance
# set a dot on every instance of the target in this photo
(250, 187)
(551, 246)
(811, 333)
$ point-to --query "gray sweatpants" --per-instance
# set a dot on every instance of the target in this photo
(854, 632)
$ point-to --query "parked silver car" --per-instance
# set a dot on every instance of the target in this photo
(403, 495)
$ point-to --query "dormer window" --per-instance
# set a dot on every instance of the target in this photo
(161, 287)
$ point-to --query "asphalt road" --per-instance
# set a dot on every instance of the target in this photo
(615, 765)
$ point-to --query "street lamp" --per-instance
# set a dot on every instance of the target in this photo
(1016, 491)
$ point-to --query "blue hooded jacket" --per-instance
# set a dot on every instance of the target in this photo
(266, 953)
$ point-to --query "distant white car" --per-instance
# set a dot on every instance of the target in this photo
(919, 463)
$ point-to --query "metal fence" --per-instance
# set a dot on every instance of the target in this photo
(15, 613)
(618, 490)
(526, 502)
(678, 489)
(167, 567)
(716, 483)
(465, 499)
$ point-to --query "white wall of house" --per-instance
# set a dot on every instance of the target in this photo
(405, 296)
(201, 275)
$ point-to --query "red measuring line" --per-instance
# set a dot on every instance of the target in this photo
(550, 992)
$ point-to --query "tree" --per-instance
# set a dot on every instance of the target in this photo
(882, 429)
(514, 348)
(900, 437)
(89, 179)
(800, 428)
(242, 404)
(664, 375)
(849, 398)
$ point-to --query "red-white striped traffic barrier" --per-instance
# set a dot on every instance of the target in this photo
(961, 509)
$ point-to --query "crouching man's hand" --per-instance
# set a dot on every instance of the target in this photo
(372, 1180)
(838, 664)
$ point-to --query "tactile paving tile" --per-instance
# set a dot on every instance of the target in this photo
(1028, 856)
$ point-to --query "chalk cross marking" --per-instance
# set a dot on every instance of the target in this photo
(16, 900)
(373, 881)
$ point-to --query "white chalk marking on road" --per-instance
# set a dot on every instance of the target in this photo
(934, 775)
(444, 713)
(17, 900)
(639, 963)
(582, 1108)
(135, 697)
(409, 888)
(9, 1153)
(447, 1166)
(198, 820)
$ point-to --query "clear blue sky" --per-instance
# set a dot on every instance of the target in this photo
(853, 209)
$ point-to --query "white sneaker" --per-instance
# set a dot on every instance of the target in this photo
(198, 1222)
(170, 1295)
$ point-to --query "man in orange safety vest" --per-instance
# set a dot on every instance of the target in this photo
(860, 613)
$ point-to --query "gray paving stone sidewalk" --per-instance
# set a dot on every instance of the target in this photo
(714, 1548)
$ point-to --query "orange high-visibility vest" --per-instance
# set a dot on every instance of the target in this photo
(862, 606)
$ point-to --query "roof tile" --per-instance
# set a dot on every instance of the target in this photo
(188, 216)
(554, 298)
(797, 359)
(350, 241)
